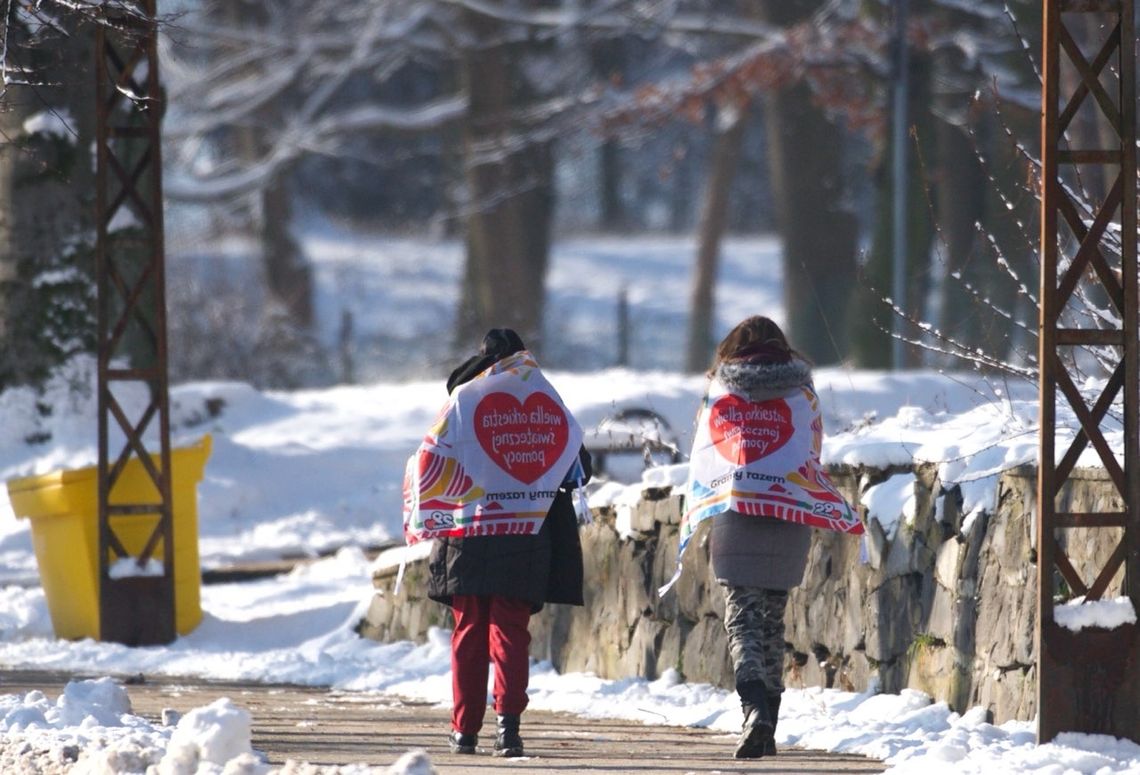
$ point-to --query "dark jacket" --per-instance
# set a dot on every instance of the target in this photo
(542, 568)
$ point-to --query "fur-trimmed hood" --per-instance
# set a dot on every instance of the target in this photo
(763, 381)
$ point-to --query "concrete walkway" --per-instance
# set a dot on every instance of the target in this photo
(328, 728)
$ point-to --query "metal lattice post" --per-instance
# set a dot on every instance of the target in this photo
(1088, 680)
(136, 603)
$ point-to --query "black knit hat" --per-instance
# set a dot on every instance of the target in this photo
(497, 344)
(501, 342)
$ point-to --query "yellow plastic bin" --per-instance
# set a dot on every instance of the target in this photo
(63, 507)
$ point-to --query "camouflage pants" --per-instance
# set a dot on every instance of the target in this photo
(754, 622)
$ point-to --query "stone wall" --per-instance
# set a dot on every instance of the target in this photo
(947, 604)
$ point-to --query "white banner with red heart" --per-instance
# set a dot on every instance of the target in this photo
(761, 458)
(495, 457)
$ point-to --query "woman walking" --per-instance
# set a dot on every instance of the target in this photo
(755, 472)
(490, 484)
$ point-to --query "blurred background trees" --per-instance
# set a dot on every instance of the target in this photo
(47, 186)
(506, 125)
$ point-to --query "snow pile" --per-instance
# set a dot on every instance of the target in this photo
(1076, 614)
(90, 730)
(891, 500)
(56, 122)
(214, 734)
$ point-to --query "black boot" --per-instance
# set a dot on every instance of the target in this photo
(756, 733)
(461, 743)
(507, 741)
(774, 714)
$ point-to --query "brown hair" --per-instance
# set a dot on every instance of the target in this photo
(756, 336)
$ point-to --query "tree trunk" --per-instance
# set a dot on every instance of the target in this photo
(1010, 224)
(818, 230)
(613, 216)
(288, 275)
(961, 204)
(509, 180)
(608, 63)
(681, 189)
(714, 216)
(819, 233)
(871, 319)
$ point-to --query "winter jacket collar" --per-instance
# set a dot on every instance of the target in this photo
(760, 381)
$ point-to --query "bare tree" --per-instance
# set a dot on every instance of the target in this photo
(510, 80)
(732, 121)
(256, 87)
(506, 77)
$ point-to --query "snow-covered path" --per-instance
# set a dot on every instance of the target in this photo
(354, 730)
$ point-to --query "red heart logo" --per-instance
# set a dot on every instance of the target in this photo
(523, 438)
(745, 431)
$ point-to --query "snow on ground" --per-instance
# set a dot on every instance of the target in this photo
(308, 472)
(299, 628)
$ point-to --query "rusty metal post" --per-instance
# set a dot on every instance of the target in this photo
(136, 582)
(1088, 680)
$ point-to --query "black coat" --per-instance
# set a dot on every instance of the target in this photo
(542, 568)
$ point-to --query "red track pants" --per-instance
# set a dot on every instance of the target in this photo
(488, 628)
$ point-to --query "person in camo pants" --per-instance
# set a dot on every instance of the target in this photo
(754, 622)
(756, 560)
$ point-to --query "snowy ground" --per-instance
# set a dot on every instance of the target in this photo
(315, 471)
(299, 628)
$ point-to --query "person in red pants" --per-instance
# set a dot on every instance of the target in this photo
(489, 627)
(495, 571)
